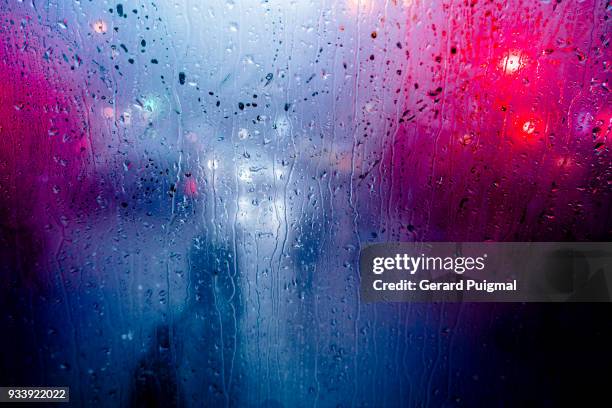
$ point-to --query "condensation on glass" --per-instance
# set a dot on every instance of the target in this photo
(186, 187)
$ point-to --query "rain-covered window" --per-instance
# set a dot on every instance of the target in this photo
(185, 187)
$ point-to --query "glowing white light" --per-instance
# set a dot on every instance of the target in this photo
(100, 26)
(512, 62)
(279, 173)
(244, 174)
(529, 127)
(212, 164)
(243, 134)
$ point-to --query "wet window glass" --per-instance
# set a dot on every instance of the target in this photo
(186, 187)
